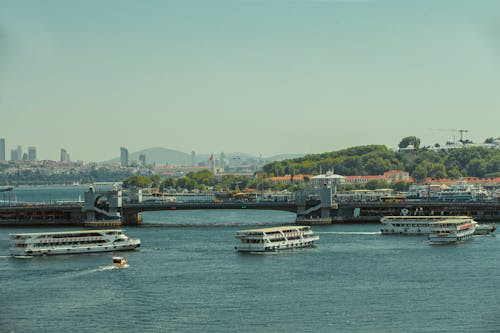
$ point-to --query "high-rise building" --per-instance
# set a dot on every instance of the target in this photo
(31, 153)
(64, 155)
(193, 158)
(13, 155)
(124, 156)
(2, 149)
(19, 152)
(142, 159)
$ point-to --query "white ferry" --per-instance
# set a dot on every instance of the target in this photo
(452, 231)
(71, 242)
(413, 225)
(277, 238)
(485, 229)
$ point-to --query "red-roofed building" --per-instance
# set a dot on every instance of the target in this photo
(392, 176)
(287, 179)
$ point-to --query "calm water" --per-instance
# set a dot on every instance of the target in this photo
(188, 278)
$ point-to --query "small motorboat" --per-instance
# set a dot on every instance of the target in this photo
(119, 262)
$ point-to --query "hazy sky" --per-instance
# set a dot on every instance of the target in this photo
(257, 76)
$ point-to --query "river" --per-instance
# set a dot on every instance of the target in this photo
(188, 278)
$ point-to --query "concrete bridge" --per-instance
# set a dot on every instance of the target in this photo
(313, 206)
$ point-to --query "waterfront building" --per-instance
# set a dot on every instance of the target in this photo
(330, 179)
(389, 177)
(2, 149)
(124, 156)
(289, 179)
(31, 153)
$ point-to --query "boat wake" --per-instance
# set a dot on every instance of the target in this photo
(350, 232)
(212, 224)
(111, 267)
(92, 271)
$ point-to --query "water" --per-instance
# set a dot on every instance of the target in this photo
(188, 278)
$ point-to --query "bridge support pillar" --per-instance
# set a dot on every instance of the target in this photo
(132, 218)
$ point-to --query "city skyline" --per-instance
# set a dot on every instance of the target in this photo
(282, 76)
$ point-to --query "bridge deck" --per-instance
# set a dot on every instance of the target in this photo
(143, 207)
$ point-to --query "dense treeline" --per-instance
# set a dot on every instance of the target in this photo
(376, 159)
(201, 180)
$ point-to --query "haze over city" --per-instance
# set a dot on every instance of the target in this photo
(262, 77)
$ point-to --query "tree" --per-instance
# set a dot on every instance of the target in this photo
(155, 180)
(401, 186)
(137, 181)
(410, 140)
(476, 167)
(420, 173)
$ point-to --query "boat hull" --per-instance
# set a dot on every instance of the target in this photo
(450, 239)
(276, 246)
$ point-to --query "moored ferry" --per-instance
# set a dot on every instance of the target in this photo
(277, 238)
(413, 225)
(71, 242)
(451, 231)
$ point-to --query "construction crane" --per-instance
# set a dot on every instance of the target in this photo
(461, 131)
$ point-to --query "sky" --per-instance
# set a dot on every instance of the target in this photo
(255, 76)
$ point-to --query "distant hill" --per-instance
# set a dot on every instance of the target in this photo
(158, 155)
(282, 157)
(161, 156)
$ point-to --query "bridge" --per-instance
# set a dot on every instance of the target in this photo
(314, 206)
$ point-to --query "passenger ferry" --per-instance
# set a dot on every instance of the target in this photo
(485, 229)
(452, 231)
(277, 238)
(413, 225)
(71, 242)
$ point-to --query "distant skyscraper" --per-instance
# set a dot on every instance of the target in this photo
(142, 159)
(193, 158)
(64, 155)
(19, 152)
(31, 153)
(124, 156)
(2, 149)
(13, 155)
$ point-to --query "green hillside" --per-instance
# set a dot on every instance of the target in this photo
(376, 159)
